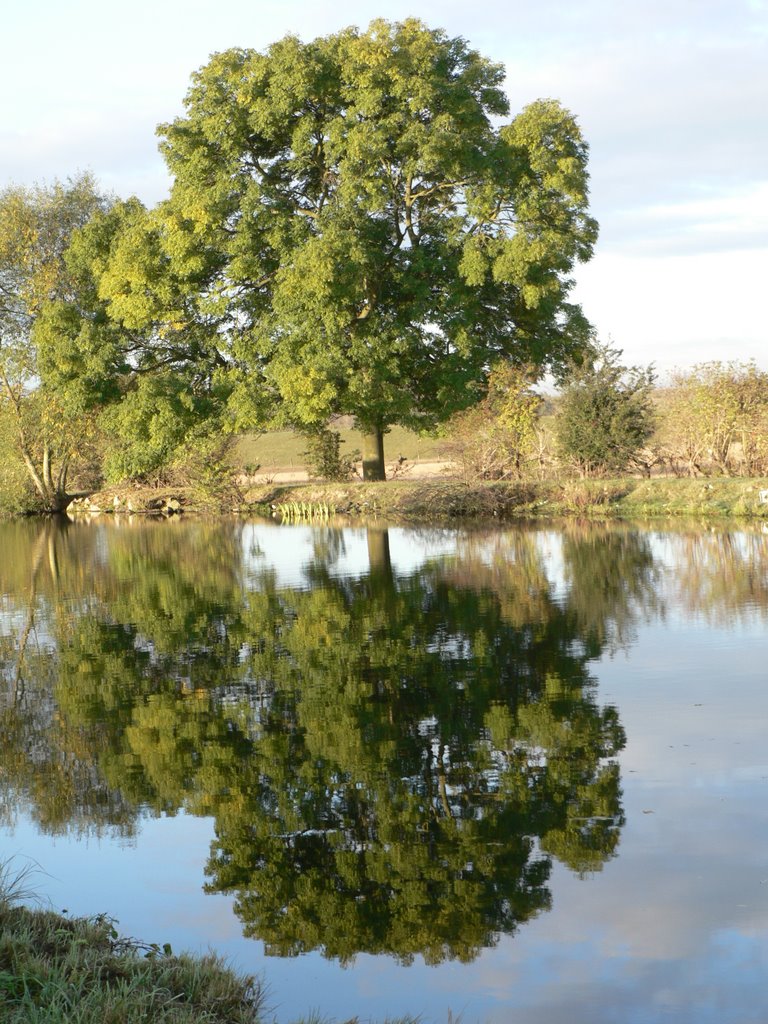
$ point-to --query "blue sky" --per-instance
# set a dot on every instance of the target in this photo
(672, 97)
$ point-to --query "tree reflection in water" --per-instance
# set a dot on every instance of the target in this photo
(391, 761)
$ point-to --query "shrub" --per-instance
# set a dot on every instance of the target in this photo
(497, 438)
(715, 419)
(605, 415)
(323, 455)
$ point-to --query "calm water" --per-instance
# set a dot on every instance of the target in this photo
(520, 776)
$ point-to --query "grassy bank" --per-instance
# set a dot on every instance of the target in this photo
(60, 970)
(440, 500)
(54, 969)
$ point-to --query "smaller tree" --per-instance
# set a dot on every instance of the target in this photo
(51, 432)
(323, 455)
(605, 415)
(495, 439)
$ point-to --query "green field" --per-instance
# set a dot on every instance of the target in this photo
(283, 449)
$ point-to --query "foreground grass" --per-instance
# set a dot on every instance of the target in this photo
(54, 970)
(57, 970)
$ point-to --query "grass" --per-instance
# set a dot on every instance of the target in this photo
(60, 970)
(316, 1018)
(283, 449)
(439, 498)
(305, 512)
(55, 969)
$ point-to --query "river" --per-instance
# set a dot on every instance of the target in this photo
(511, 775)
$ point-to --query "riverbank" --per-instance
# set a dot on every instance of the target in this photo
(55, 969)
(438, 500)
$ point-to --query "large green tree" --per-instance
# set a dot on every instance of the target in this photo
(354, 219)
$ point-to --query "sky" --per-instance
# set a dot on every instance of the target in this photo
(671, 95)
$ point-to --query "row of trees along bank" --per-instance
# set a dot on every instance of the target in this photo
(354, 227)
(610, 419)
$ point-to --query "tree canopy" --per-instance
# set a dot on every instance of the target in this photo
(352, 221)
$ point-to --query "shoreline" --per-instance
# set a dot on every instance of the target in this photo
(436, 500)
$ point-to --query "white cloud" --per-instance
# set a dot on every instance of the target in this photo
(677, 310)
(722, 219)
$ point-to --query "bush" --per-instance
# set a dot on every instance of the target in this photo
(715, 420)
(496, 439)
(605, 415)
(17, 495)
(323, 456)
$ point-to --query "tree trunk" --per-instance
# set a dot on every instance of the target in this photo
(35, 477)
(47, 478)
(373, 454)
(59, 503)
(379, 561)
